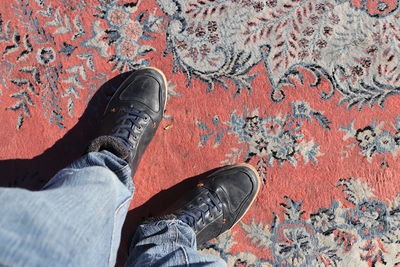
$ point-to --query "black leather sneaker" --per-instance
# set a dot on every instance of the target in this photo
(220, 202)
(133, 115)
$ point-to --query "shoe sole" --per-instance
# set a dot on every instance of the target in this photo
(258, 187)
(165, 82)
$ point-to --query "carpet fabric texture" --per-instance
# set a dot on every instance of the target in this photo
(306, 91)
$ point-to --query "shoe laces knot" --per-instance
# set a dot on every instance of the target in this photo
(132, 123)
(193, 214)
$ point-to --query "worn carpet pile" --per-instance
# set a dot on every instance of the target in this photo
(306, 91)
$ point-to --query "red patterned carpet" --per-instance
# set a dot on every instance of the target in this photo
(306, 91)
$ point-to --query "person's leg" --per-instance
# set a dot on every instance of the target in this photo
(75, 220)
(210, 209)
(168, 242)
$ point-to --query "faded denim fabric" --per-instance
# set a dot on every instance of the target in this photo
(76, 220)
(168, 243)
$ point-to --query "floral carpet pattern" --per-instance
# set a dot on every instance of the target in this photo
(306, 91)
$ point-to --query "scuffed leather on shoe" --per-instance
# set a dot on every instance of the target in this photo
(132, 116)
(216, 205)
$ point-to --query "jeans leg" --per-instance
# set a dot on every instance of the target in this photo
(75, 220)
(167, 243)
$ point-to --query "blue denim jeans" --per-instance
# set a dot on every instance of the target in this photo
(76, 220)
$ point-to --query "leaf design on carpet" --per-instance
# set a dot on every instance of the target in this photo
(63, 24)
(327, 237)
(373, 139)
(335, 40)
(46, 77)
(206, 8)
(367, 94)
(126, 33)
(259, 234)
(267, 139)
(36, 51)
(356, 190)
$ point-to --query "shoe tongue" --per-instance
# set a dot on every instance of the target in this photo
(144, 90)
